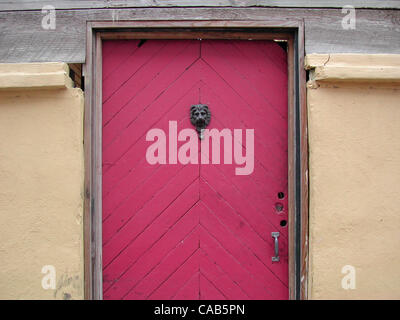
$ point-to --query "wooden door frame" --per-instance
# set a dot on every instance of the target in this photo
(291, 31)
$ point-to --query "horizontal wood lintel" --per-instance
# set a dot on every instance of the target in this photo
(87, 4)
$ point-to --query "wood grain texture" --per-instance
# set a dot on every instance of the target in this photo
(23, 40)
(303, 168)
(93, 172)
(195, 231)
(86, 4)
(88, 144)
(93, 286)
(291, 170)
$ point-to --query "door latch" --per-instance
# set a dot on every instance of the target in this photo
(275, 235)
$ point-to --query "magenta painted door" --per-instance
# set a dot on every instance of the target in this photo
(194, 231)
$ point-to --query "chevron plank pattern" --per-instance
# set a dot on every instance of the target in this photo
(193, 231)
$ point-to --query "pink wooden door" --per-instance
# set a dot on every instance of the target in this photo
(193, 231)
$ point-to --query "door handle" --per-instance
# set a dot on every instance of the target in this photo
(275, 235)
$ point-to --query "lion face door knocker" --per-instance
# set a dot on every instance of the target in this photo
(200, 117)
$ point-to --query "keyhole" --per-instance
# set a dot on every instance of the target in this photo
(279, 207)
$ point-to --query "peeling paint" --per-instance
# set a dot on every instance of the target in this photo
(68, 287)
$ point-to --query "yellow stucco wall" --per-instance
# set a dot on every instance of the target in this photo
(354, 172)
(41, 174)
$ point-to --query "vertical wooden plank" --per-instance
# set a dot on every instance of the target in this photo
(291, 172)
(88, 168)
(97, 172)
(92, 145)
(304, 165)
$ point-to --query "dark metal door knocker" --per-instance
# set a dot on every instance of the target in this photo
(200, 117)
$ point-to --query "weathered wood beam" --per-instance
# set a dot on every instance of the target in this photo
(86, 4)
(22, 38)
